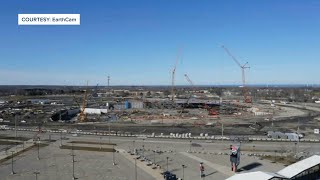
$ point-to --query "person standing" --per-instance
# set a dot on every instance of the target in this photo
(234, 157)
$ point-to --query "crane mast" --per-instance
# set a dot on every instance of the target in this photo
(173, 77)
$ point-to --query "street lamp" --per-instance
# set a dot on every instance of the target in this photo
(183, 166)
(154, 157)
(167, 163)
(190, 146)
(12, 171)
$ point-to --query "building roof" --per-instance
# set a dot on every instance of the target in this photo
(298, 167)
(254, 176)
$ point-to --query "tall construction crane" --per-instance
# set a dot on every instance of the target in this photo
(243, 67)
(191, 83)
(173, 76)
(84, 104)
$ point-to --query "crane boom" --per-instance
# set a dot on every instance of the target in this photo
(191, 83)
(234, 59)
(189, 80)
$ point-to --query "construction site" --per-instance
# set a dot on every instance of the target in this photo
(141, 123)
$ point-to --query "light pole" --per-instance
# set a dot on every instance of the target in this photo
(183, 166)
(134, 149)
(15, 126)
(38, 147)
(109, 133)
(222, 129)
(167, 163)
(135, 169)
(154, 157)
(12, 171)
(100, 143)
(36, 174)
(143, 150)
(60, 139)
(190, 146)
(113, 158)
(73, 161)
(295, 148)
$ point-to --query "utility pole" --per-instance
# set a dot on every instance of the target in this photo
(12, 171)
